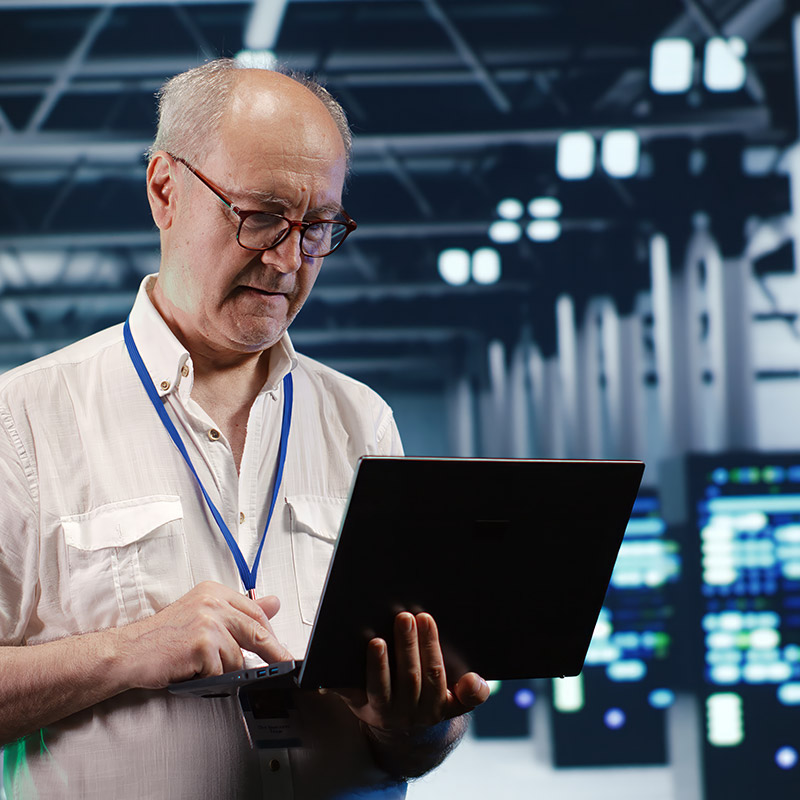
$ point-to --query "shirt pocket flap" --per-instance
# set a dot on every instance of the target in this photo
(317, 516)
(120, 524)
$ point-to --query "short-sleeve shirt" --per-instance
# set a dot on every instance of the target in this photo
(102, 524)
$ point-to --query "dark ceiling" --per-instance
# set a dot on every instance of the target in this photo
(455, 104)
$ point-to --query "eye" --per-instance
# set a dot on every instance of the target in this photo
(318, 231)
(264, 222)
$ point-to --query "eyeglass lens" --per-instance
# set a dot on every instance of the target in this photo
(263, 231)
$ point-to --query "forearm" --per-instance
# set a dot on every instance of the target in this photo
(413, 753)
(41, 684)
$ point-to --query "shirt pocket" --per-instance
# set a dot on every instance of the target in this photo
(315, 523)
(126, 560)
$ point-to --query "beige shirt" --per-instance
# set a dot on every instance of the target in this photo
(102, 523)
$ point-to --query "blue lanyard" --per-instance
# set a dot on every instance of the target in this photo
(248, 575)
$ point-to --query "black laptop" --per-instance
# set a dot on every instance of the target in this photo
(512, 557)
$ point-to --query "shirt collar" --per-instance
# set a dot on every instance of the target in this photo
(170, 363)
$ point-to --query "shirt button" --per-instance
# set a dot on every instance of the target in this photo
(274, 764)
(185, 370)
(213, 434)
(241, 517)
(165, 385)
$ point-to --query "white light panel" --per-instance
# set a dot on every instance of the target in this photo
(575, 155)
(619, 153)
(486, 267)
(671, 66)
(454, 266)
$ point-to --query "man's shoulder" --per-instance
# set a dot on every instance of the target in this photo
(72, 358)
(333, 400)
(333, 382)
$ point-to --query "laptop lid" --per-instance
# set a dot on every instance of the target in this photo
(512, 557)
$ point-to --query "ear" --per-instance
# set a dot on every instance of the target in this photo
(161, 189)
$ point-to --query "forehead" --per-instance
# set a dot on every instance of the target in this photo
(276, 132)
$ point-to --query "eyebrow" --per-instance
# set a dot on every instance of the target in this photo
(270, 198)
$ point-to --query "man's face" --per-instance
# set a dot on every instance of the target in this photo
(278, 151)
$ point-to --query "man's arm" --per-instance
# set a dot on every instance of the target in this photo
(413, 721)
(202, 633)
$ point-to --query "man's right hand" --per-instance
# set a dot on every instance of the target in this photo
(201, 634)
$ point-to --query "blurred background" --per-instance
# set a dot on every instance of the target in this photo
(578, 237)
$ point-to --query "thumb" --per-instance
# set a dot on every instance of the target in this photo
(270, 605)
(471, 690)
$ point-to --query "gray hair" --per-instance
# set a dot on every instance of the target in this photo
(191, 106)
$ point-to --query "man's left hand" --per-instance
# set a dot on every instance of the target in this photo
(417, 695)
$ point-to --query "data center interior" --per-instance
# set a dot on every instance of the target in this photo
(578, 237)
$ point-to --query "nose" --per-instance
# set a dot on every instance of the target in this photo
(286, 256)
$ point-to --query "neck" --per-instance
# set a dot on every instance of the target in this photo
(235, 384)
(220, 375)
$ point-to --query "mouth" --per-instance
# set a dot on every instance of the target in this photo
(262, 292)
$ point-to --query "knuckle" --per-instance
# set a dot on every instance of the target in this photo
(434, 675)
(259, 633)
(414, 678)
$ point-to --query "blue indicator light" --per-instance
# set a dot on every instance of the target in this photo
(774, 474)
(661, 698)
(786, 758)
(524, 698)
(720, 476)
(614, 718)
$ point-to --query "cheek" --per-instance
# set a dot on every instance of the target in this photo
(308, 277)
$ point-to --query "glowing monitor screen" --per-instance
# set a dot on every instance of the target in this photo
(614, 711)
(748, 520)
(739, 516)
(633, 634)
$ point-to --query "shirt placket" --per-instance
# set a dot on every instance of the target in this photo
(212, 458)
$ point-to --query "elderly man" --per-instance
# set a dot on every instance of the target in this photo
(126, 565)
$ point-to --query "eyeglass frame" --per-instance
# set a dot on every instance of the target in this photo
(302, 225)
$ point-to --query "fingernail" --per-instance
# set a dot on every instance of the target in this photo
(406, 623)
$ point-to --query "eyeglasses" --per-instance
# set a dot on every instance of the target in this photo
(262, 230)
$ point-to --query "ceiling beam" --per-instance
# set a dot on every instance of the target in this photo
(349, 66)
(471, 58)
(68, 70)
(748, 22)
(42, 150)
(27, 5)
(115, 240)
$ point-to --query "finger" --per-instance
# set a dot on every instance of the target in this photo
(245, 605)
(469, 692)
(270, 605)
(209, 666)
(251, 634)
(408, 681)
(433, 693)
(216, 652)
(379, 677)
(230, 655)
(214, 593)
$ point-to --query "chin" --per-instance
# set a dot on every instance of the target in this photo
(257, 338)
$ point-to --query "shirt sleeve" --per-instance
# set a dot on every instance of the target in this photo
(389, 442)
(19, 536)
